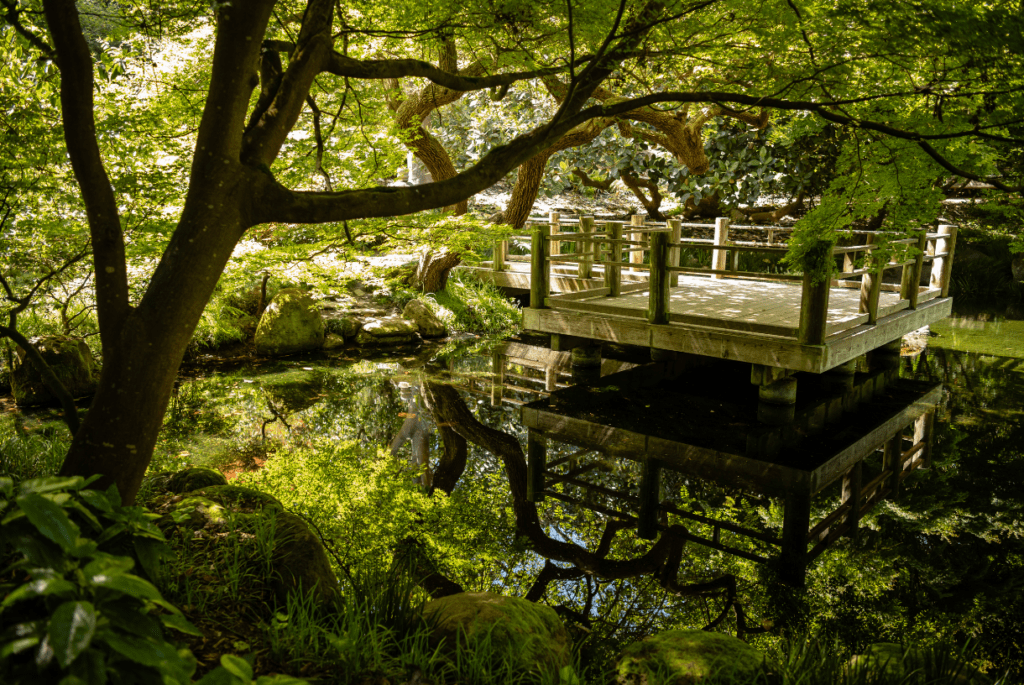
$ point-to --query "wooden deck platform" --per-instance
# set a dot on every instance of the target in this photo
(743, 320)
(639, 285)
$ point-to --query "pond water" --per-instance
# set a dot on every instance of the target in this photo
(358, 442)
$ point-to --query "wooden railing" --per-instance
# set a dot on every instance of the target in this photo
(655, 250)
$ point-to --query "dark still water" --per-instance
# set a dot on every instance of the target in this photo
(661, 495)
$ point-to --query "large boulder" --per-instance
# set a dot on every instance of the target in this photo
(70, 360)
(297, 558)
(291, 323)
(293, 391)
(528, 634)
(429, 325)
(687, 656)
(385, 332)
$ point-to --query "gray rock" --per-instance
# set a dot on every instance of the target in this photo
(333, 342)
(342, 323)
(429, 325)
(385, 332)
(70, 360)
(291, 323)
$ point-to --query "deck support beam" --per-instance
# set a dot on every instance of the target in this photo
(650, 499)
(536, 462)
(796, 520)
(851, 495)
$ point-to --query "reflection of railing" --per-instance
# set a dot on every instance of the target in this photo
(900, 456)
(655, 251)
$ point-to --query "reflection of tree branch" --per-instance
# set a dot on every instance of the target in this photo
(662, 560)
(50, 379)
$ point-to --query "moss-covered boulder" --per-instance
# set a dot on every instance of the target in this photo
(528, 634)
(686, 656)
(297, 558)
(910, 665)
(342, 323)
(193, 479)
(291, 323)
(426, 321)
(384, 332)
(71, 361)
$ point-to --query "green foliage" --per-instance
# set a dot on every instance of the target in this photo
(81, 611)
(471, 305)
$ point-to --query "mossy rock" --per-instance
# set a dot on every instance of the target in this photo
(344, 325)
(910, 666)
(680, 657)
(426, 321)
(193, 479)
(70, 360)
(528, 634)
(290, 324)
(386, 332)
(298, 560)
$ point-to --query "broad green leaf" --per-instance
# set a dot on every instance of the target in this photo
(72, 626)
(41, 485)
(237, 666)
(49, 519)
(108, 564)
(141, 651)
(280, 679)
(18, 646)
(126, 583)
(181, 624)
(38, 587)
(152, 554)
(6, 486)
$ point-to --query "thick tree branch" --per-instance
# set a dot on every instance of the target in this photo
(76, 89)
(53, 383)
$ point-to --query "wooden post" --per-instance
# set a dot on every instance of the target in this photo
(550, 378)
(636, 257)
(870, 285)
(796, 520)
(924, 432)
(612, 270)
(910, 285)
(675, 253)
(851, 494)
(650, 499)
(892, 460)
(943, 266)
(536, 462)
(657, 304)
(539, 268)
(498, 362)
(556, 245)
(814, 302)
(500, 250)
(721, 238)
(587, 249)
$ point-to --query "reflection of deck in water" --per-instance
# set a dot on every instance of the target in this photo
(702, 430)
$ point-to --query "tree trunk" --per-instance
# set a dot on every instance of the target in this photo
(433, 270)
(429, 150)
(525, 191)
(636, 186)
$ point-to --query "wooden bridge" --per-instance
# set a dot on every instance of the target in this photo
(591, 283)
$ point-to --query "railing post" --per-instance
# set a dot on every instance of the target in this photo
(539, 267)
(943, 266)
(612, 270)
(500, 249)
(636, 256)
(796, 521)
(910, 285)
(586, 253)
(657, 306)
(892, 460)
(675, 253)
(870, 285)
(721, 238)
(814, 301)
(555, 247)
(924, 431)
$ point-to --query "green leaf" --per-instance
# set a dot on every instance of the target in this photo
(141, 651)
(280, 679)
(39, 587)
(181, 624)
(108, 564)
(49, 519)
(152, 554)
(18, 646)
(71, 629)
(6, 486)
(41, 485)
(236, 666)
(126, 583)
